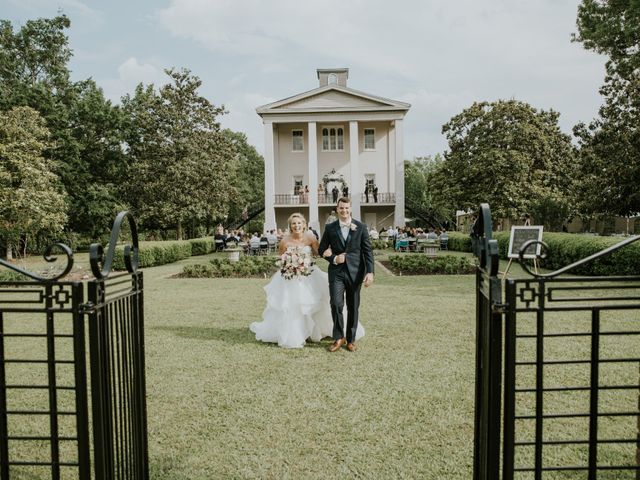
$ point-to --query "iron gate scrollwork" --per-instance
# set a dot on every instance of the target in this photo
(116, 357)
(570, 384)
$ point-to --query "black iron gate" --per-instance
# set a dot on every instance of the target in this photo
(44, 396)
(571, 379)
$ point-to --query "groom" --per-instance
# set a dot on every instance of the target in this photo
(348, 250)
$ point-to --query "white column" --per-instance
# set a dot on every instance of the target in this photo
(313, 176)
(399, 176)
(355, 187)
(269, 178)
(391, 161)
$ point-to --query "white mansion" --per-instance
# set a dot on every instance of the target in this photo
(321, 142)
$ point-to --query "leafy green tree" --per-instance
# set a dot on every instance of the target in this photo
(33, 61)
(85, 128)
(96, 168)
(508, 154)
(609, 167)
(424, 189)
(248, 177)
(181, 163)
(31, 198)
(611, 28)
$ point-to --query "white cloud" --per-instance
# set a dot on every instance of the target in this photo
(130, 73)
(438, 56)
(242, 117)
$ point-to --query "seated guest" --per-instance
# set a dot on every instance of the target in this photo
(254, 242)
(432, 235)
(220, 239)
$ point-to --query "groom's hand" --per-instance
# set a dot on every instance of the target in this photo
(327, 253)
(368, 279)
(340, 258)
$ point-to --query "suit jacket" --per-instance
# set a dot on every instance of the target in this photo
(357, 247)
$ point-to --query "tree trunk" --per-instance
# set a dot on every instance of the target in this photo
(179, 230)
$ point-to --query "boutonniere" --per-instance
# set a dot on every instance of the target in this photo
(353, 227)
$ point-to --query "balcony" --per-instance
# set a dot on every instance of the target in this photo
(287, 199)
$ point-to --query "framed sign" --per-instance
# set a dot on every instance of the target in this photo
(520, 235)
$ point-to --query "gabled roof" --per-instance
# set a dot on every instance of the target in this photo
(332, 98)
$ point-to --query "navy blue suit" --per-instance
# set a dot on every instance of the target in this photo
(345, 280)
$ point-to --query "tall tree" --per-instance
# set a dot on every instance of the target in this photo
(509, 154)
(85, 131)
(612, 28)
(181, 161)
(248, 178)
(610, 144)
(31, 198)
(425, 190)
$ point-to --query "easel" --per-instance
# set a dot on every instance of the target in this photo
(527, 223)
(535, 267)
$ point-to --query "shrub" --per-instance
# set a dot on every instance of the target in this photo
(459, 242)
(423, 265)
(247, 266)
(155, 253)
(567, 248)
(380, 244)
(11, 276)
(202, 246)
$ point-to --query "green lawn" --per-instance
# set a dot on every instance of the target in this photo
(222, 405)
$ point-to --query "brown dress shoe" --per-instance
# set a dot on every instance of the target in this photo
(335, 346)
(351, 347)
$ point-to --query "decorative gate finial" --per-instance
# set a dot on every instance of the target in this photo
(96, 252)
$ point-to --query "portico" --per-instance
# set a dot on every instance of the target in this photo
(334, 136)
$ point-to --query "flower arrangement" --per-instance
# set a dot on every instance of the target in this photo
(295, 262)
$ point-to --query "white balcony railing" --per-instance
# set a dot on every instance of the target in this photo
(385, 198)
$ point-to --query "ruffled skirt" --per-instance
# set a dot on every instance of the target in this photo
(297, 310)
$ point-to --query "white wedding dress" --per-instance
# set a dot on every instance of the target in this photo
(297, 309)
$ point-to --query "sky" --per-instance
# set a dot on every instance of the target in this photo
(440, 56)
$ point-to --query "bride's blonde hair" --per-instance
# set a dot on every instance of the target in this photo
(296, 215)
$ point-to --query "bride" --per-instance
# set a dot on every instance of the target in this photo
(297, 309)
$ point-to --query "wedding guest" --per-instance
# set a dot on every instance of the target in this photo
(335, 192)
(373, 233)
(332, 217)
(366, 192)
(220, 239)
(254, 243)
(375, 193)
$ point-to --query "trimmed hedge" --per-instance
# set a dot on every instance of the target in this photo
(152, 254)
(254, 266)
(423, 265)
(202, 246)
(459, 242)
(567, 248)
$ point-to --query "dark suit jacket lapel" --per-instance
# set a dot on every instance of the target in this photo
(339, 233)
(351, 233)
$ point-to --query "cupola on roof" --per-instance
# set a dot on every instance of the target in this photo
(333, 76)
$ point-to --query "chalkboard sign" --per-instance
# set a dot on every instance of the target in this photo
(520, 235)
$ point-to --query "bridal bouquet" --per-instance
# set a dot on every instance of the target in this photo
(295, 262)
